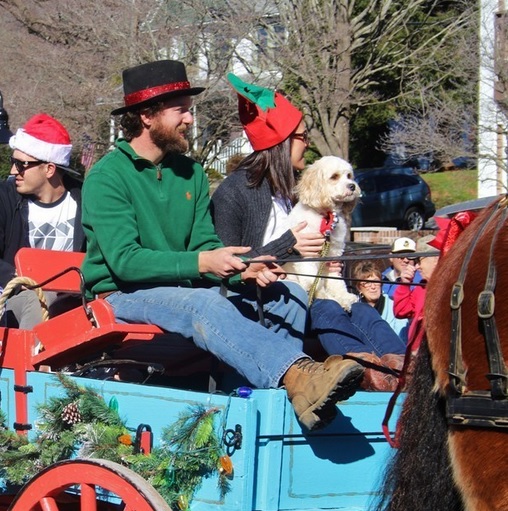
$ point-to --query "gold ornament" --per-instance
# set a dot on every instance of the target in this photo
(226, 465)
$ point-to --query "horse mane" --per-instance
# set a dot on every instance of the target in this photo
(418, 477)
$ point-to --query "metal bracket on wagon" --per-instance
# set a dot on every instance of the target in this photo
(232, 439)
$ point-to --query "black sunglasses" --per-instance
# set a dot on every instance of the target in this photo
(21, 165)
(304, 136)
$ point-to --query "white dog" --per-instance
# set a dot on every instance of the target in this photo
(327, 195)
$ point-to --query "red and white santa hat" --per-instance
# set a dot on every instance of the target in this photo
(44, 138)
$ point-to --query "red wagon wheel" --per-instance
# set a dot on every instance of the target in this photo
(46, 491)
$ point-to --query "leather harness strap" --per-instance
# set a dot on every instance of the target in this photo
(498, 374)
(476, 407)
(456, 368)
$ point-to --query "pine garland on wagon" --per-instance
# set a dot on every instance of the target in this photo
(81, 424)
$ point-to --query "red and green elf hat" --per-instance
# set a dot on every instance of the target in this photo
(268, 118)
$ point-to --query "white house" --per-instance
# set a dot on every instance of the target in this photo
(493, 99)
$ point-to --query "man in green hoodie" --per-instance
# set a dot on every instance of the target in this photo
(154, 255)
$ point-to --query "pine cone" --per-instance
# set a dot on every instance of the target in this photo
(71, 414)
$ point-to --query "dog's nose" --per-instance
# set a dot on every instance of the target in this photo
(351, 186)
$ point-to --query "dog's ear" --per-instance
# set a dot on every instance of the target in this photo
(312, 188)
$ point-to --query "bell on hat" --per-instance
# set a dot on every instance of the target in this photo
(46, 139)
(154, 81)
(268, 118)
(403, 245)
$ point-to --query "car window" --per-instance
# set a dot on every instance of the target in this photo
(367, 185)
(394, 181)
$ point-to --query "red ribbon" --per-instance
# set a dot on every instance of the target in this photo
(450, 229)
(327, 224)
(137, 97)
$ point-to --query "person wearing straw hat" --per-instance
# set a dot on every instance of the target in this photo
(154, 255)
(40, 207)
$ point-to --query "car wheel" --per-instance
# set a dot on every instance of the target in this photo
(413, 219)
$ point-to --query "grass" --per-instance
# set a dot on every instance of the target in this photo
(452, 186)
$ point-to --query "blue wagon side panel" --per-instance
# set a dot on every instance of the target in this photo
(338, 467)
(279, 467)
(159, 407)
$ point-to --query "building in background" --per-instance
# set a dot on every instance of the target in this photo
(493, 99)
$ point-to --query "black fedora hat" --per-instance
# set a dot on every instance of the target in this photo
(154, 81)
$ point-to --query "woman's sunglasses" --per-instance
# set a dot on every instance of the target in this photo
(304, 136)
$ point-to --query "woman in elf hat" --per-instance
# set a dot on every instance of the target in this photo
(251, 206)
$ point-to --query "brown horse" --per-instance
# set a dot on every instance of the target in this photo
(441, 465)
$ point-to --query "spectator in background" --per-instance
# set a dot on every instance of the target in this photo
(403, 246)
(40, 207)
(408, 301)
(368, 283)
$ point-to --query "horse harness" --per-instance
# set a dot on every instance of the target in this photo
(479, 408)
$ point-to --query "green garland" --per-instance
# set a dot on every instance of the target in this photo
(81, 424)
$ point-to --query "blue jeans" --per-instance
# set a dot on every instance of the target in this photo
(217, 324)
(361, 330)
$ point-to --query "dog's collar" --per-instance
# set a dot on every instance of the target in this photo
(328, 223)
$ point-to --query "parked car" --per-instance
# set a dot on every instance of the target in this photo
(392, 196)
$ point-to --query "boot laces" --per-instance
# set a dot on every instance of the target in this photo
(310, 366)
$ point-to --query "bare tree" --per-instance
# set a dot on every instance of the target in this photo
(440, 120)
(332, 56)
(336, 55)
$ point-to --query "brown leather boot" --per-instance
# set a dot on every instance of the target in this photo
(381, 374)
(314, 387)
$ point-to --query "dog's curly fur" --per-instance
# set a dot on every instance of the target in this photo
(327, 185)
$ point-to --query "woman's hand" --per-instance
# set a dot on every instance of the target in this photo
(335, 267)
(308, 244)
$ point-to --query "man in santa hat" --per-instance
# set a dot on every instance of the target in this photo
(40, 206)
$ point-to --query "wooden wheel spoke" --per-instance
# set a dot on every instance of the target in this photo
(51, 486)
(48, 504)
(88, 498)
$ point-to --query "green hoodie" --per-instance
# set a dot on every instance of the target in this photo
(145, 224)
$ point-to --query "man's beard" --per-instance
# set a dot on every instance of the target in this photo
(168, 140)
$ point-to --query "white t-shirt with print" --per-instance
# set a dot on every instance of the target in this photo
(51, 226)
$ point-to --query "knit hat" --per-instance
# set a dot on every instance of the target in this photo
(268, 118)
(403, 245)
(46, 139)
(148, 83)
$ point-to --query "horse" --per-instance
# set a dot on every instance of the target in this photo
(453, 457)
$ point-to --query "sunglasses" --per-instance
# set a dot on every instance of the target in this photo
(21, 165)
(304, 136)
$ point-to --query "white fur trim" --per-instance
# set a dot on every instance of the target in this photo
(45, 151)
